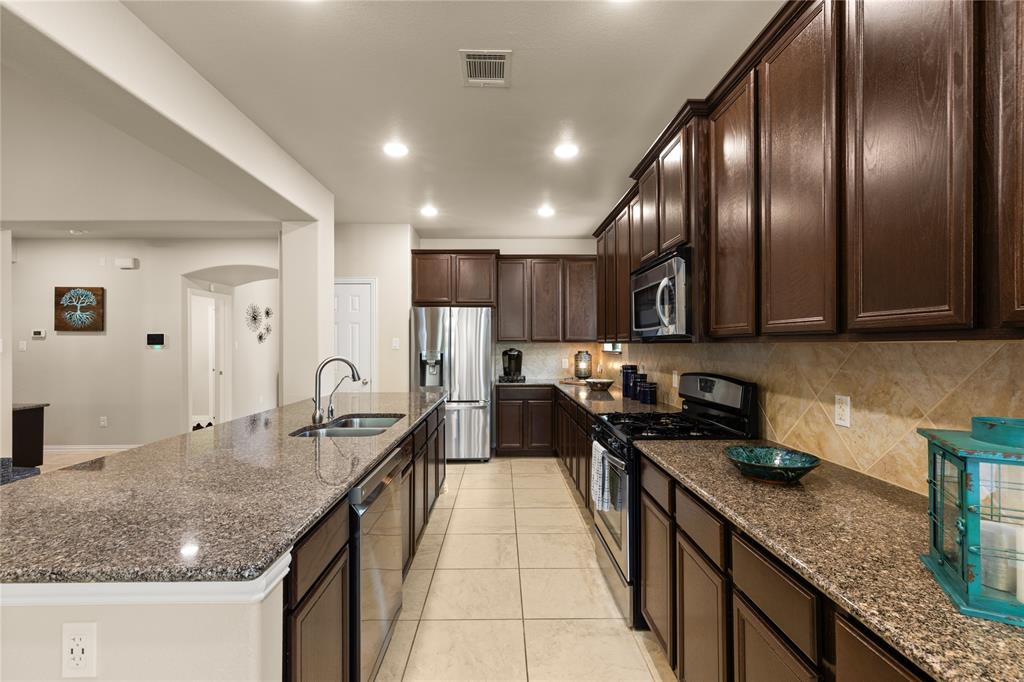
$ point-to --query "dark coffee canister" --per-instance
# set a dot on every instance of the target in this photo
(628, 372)
(634, 390)
(648, 393)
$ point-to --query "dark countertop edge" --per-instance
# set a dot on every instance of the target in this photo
(794, 563)
(235, 574)
(18, 407)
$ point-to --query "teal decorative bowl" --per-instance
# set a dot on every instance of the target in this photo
(775, 465)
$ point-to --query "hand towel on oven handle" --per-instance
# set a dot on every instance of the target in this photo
(599, 478)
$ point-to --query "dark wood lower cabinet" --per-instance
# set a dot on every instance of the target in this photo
(318, 628)
(408, 500)
(525, 417)
(761, 655)
(702, 632)
(540, 425)
(431, 482)
(657, 539)
(510, 424)
(419, 502)
(858, 658)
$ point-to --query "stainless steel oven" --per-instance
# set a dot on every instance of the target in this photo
(660, 298)
(613, 526)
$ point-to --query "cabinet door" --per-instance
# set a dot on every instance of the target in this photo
(657, 545)
(431, 482)
(474, 275)
(733, 228)
(580, 299)
(510, 419)
(611, 278)
(431, 279)
(545, 299)
(582, 461)
(539, 425)
(673, 194)
(650, 239)
(760, 654)
(319, 628)
(419, 494)
(909, 172)
(408, 538)
(858, 658)
(798, 176)
(1010, 22)
(635, 234)
(602, 320)
(442, 452)
(701, 616)
(513, 299)
(622, 291)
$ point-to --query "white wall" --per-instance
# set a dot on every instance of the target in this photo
(114, 374)
(6, 344)
(510, 247)
(201, 308)
(382, 251)
(254, 376)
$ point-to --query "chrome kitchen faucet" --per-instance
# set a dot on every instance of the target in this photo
(318, 415)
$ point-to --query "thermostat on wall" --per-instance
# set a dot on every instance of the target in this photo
(38, 333)
(155, 340)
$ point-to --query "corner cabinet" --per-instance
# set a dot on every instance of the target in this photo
(908, 68)
(732, 243)
(460, 279)
(798, 178)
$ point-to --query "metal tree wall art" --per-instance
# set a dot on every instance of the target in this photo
(257, 318)
(78, 309)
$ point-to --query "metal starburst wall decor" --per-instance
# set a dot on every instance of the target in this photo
(257, 318)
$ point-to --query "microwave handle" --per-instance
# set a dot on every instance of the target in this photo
(657, 301)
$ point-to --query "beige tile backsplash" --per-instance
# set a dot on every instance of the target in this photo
(543, 361)
(894, 389)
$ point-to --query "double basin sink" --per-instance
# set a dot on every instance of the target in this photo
(350, 426)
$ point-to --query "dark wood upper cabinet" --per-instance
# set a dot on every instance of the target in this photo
(635, 234)
(318, 629)
(1009, 41)
(611, 278)
(798, 177)
(602, 318)
(622, 292)
(673, 193)
(431, 279)
(474, 279)
(908, 69)
(545, 299)
(657, 547)
(513, 299)
(650, 239)
(732, 239)
(580, 298)
(702, 633)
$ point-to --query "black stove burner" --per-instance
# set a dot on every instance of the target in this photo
(663, 425)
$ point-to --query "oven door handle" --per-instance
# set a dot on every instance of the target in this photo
(657, 301)
(615, 461)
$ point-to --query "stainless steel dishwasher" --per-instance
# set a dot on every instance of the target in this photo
(377, 532)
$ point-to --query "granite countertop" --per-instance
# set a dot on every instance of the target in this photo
(28, 406)
(606, 402)
(242, 492)
(857, 539)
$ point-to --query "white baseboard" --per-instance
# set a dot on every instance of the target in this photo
(70, 449)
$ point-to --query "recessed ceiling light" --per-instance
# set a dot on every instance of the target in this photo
(428, 211)
(395, 149)
(545, 211)
(77, 233)
(566, 150)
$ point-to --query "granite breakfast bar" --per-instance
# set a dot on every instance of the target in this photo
(179, 547)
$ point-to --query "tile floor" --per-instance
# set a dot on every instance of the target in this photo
(59, 460)
(505, 586)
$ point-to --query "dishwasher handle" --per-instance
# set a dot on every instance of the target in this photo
(363, 495)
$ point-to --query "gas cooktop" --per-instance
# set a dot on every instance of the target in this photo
(662, 426)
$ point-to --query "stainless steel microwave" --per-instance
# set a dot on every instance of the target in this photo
(660, 298)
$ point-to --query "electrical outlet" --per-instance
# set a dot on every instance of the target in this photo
(103, 422)
(675, 379)
(843, 411)
(79, 650)
(22, 346)
(396, 343)
(565, 363)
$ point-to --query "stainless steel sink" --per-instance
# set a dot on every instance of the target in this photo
(350, 426)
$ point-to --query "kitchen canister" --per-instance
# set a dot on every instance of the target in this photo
(648, 393)
(634, 391)
(628, 374)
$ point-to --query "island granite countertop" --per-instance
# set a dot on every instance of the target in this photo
(220, 504)
(856, 539)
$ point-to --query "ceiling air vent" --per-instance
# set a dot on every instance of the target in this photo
(485, 68)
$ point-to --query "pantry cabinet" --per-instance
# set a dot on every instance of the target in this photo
(796, 101)
(732, 239)
(909, 164)
(460, 279)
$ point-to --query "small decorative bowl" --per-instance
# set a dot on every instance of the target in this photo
(600, 384)
(771, 464)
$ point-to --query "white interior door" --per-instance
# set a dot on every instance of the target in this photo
(209, 357)
(354, 319)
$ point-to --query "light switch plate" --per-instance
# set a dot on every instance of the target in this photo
(396, 343)
(565, 363)
(675, 379)
(842, 411)
(22, 346)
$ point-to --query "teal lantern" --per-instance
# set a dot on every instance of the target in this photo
(976, 508)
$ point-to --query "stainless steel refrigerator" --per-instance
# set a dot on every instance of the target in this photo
(452, 347)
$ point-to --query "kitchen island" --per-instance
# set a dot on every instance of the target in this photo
(183, 542)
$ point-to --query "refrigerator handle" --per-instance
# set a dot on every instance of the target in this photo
(476, 405)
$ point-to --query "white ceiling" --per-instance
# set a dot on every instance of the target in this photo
(332, 81)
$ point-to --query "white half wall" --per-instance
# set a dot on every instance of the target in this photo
(84, 376)
(382, 251)
(511, 247)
